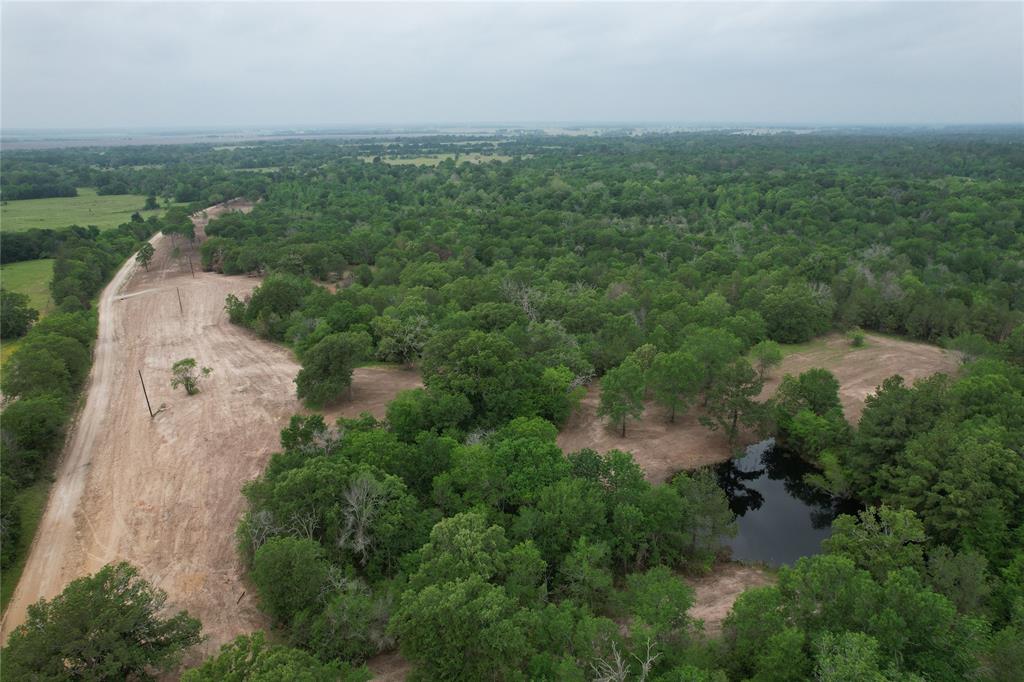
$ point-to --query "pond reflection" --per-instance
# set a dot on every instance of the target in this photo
(780, 517)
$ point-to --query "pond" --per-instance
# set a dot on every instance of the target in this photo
(779, 517)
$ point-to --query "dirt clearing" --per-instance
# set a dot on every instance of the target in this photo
(165, 493)
(715, 593)
(861, 370)
(662, 448)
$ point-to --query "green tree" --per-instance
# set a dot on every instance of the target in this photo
(289, 574)
(107, 626)
(847, 657)
(35, 371)
(622, 394)
(327, 367)
(250, 659)
(186, 373)
(879, 540)
(145, 255)
(675, 380)
(15, 314)
(731, 399)
(463, 630)
(708, 518)
(795, 314)
(766, 354)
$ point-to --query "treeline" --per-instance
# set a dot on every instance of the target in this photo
(43, 377)
(36, 181)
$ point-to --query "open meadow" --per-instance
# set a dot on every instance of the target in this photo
(88, 208)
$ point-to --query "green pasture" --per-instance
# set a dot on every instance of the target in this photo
(88, 208)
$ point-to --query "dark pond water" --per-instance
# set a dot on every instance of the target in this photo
(780, 518)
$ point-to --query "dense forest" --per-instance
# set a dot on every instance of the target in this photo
(457, 532)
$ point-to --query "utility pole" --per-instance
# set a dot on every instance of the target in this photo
(148, 406)
(180, 308)
(190, 267)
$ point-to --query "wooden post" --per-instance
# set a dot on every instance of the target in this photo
(190, 267)
(148, 406)
(180, 308)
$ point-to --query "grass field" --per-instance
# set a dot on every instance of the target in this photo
(435, 159)
(30, 503)
(32, 278)
(88, 208)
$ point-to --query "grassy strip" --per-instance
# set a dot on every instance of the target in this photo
(31, 502)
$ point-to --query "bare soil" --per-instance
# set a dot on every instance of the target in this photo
(861, 371)
(662, 448)
(715, 593)
(659, 447)
(165, 493)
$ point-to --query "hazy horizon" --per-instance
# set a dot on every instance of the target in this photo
(163, 66)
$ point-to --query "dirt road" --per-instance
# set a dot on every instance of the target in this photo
(164, 493)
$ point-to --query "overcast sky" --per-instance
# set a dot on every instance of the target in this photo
(109, 65)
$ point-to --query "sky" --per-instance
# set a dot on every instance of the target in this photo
(153, 65)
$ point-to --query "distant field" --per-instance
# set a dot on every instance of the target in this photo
(435, 159)
(32, 278)
(88, 208)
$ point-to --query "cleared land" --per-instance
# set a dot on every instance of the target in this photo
(88, 208)
(165, 493)
(715, 593)
(662, 448)
(861, 370)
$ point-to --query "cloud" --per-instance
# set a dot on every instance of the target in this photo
(242, 64)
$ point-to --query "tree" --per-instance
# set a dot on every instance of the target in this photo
(151, 203)
(289, 574)
(766, 354)
(795, 313)
(713, 349)
(250, 659)
(708, 517)
(731, 399)
(622, 394)
(400, 340)
(35, 371)
(107, 626)
(674, 379)
(463, 630)
(187, 374)
(879, 540)
(145, 255)
(327, 367)
(15, 315)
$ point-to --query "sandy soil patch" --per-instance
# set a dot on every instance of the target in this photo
(662, 448)
(861, 371)
(389, 667)
(715, 593)
(165, 493)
